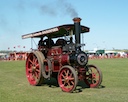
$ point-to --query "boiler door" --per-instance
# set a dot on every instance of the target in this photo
(82, 59)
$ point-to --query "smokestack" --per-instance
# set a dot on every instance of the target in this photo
(77, 29)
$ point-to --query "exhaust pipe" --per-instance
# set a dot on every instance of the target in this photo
(77, 29)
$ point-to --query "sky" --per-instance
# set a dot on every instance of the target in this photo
(107, 20)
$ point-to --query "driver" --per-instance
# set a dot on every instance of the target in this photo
(41, 42)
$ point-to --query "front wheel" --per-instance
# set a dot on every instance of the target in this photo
(93, 77)
(67, 78)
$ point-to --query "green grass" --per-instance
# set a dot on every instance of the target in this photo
(14, 86)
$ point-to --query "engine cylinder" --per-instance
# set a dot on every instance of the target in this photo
(64, 59)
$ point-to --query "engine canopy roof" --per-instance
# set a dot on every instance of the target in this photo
(55, 32)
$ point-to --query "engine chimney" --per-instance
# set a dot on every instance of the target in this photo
(77, 29)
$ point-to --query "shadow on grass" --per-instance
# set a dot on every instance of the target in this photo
(52, 83)
(82, 85)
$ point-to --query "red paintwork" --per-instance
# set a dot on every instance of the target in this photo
(58, 58)
(55, 51)
(81, 73)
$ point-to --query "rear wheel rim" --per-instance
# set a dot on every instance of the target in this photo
(33, 69)
(67, 79)
(93, 76)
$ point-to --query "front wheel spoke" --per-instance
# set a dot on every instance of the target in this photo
(97, 77)
(94, 81)
(96, 73)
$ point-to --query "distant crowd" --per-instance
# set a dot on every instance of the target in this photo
(104, 56)
(15, 56)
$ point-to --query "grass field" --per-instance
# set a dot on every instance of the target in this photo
(14, 86)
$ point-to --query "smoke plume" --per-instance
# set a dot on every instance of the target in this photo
(59, 7)
(48, 10)
(67, 8)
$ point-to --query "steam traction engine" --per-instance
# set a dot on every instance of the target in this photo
(63, 60)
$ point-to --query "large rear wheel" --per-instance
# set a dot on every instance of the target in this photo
(34, 68)
(93, 76)
(67, 78)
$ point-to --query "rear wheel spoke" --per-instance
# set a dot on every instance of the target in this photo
(29, 60)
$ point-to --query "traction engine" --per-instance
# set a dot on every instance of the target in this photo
(63, 60)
